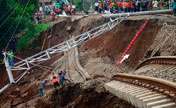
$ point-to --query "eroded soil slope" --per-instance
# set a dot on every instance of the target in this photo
(100, 54)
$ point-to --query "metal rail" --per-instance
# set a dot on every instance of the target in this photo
(138, 13)
(26, 64)
(158, 60)
(163, 86)
(85, 75)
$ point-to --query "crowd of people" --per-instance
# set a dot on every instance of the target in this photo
(69, 9)
(109, 6)
(119, 6)
(56, 79)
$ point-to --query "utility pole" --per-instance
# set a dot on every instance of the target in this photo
(43, 6)
(9, 72)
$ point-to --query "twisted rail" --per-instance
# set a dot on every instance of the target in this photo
(171, 60)
(159, 85)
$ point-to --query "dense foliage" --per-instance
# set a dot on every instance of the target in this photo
(79, 5)
(16, 17)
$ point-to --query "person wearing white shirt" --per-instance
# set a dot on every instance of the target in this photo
(40, 9)
(96, 6)
(155, 4)
(73, 6)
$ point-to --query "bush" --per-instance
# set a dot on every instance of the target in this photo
(30, 34)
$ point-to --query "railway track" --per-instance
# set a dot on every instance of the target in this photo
(169, 60)
(77, 73)
(142, 91)
(78, 67)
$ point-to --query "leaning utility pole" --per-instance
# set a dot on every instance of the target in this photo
(43, 6)
(9, 72)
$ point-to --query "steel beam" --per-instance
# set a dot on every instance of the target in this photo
(138, 13)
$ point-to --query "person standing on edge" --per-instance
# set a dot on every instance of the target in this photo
(38, 18)
(155, 4)
(100, 7)
(96, 7)
(120, 6)
(111, 8)
(174, 7)
(49, 10)
(11, 55)
(46, 10)
(40, 87)
(40, 10)
(74, 9)
(116, 7)
(138, 6)
(134, 5)
(53, 16)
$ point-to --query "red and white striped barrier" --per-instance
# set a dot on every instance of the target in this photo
(132, 42)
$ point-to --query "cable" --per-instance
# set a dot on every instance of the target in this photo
(8, 17)
(9, 10)
(40, 66)
(7, 30)
(18, 23)
(37, 65)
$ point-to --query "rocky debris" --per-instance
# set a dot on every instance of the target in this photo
(32, 103)
(17, 101)
(15, 93)
(6, 104)
(164, 43)
(90, 94)
(23, 105)
(166, 72)
(24, 95)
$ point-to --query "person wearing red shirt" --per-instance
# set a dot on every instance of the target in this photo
(53, 16)
(132, 7)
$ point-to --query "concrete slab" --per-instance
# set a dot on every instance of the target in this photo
(169, 105)
(156, 103)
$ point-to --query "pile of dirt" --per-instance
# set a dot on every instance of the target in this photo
(113, 43)
(87, 95)
(99, 55)
(165, 42)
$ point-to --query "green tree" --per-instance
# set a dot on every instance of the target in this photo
(19, 20)
(11, 14)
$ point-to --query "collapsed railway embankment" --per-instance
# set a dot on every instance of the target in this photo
(98, 56)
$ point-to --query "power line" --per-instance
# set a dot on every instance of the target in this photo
(8, 17)
(7, 30)
(9, 10)
(38, 64)
(18, 23)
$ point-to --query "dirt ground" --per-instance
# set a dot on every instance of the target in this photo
(98, 56)
(90, 94)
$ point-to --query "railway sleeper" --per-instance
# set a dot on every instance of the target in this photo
(138, 96)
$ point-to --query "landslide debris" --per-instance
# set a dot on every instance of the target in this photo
(90, 94)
